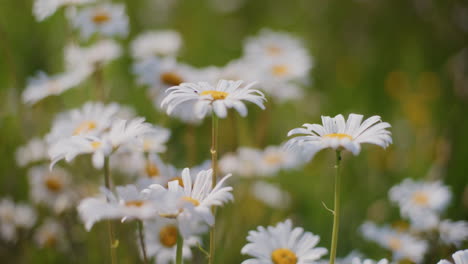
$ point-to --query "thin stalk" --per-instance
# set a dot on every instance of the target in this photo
(100, 91)
(336, 210)
(142, 240)
(110, 227)
(214, 166)
(180, 246)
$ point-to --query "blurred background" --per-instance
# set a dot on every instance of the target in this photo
(405, 60)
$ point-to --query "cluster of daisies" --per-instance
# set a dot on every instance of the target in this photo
(131, 181)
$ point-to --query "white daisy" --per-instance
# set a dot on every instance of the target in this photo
(106, 19)
(51, 188)
(275, 158)
(420, 199)
(161, 239)
(155, 140)
(244, 163)
(282, 244)
(402, 245)
(50, 235)
(92, 119)
(42, 85)
(34, 151)
(368, 261)
(226, 94)
(459, 257)
(344, 260)
(13, 217)
(284, 68)
(336, 133)
(92, 57)
(453, 232)
(42, 9)
(271, 195)
(156, 43)
(282, 91)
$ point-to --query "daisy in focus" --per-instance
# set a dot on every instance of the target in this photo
(106, 19)
(336, 133)
(282, 244)
(42, 9)
(459, 257)
(226, 94)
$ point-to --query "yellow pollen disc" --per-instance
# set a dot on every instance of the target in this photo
(216, 95)
(339, 136)
(151, 170)
(421, 198)
(168, 236)
(280, 70)
(283, 256)
(273, 50)
(84, 127)
(53, 184)
(273, 159)
(135, 203)
(101, 17)
(95, 144)
(171, 78)
(191, 200)
(394, 243)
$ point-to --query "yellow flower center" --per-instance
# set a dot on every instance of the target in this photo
(216, 95)
(135, 203)
(283, 256)
(421, 198)
(191, 200)
(394, 243)
(171, 78)
(53, 184)
(95, 144)
(168, 236)
(339, 136)
(151, 170)
(101, 17)
(273, 159)
(273, 50)
(280, 70)
(84, 127)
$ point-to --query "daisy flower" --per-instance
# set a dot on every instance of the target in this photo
(282, 244)
(156, 43)
(336, 133)
(34, 151)
(161, 240)
(42, 85)
(92, 57)
(420, 199)
(42, 9)
(51, 188)
(244, 163)
(368, 261)
(402, 245)
(275, 158)
(453, 232)
(271, 195)
(106, 19)
(285, 68)
(13, 217)
(226, 94)
(459, 257)
(50, 235)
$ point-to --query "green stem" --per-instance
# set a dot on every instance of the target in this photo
(180, 246)
(214, 166)
(110, 228)
(336, 210)
(142, 240)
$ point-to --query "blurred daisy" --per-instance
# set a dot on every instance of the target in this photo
(226, 94)
(459, 257)
(92, 119)
(420, 199)
(285, 68)
(282, 244)
(92, 57)
(336, 133)
(50, 235)
(368, 261)
(271, 195)
(453, 232)
(156, 43)
(155, 140)
(51, 188)
(282, 91)
(42, 9)
(161, 240)
(345, 260)
(42, 85)
(106, 19)
(402, 245)
(13, 217)
(275, 158)
(34, 151)
(244, 163)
